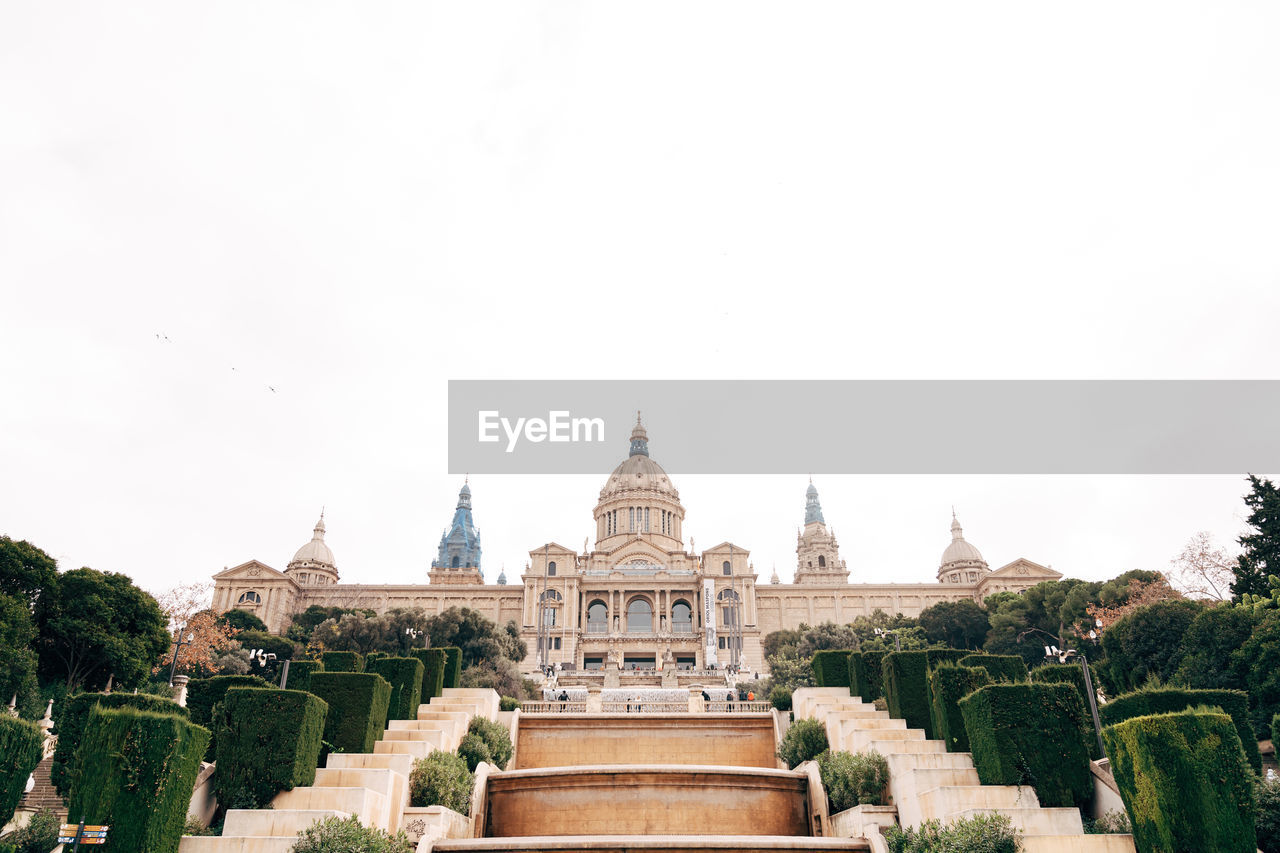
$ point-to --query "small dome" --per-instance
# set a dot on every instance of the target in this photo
(638, 470)
(960, 551)
(315, 551)
(812, 491)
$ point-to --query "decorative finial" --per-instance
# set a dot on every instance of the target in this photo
(637, 417)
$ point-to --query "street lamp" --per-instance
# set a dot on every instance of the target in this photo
(897, 641)
(1063, 656)
(184, 638)
(413, 634)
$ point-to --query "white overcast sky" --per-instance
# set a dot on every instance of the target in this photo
(353, 203)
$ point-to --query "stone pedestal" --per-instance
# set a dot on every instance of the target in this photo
(613, 675)
(669, 675)
(697, 704)
(180, 689)
(595, 701)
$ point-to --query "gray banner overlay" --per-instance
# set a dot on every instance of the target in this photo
(868, 427)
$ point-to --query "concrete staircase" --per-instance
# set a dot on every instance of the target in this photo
(372, 786)
(928, 783)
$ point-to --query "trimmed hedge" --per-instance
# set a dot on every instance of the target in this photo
(433, 663)
(357, 708)
(452, 666)
(405, 677)
(1184, 782)
(74, 714)
(1167, 700)
(342, 661)
(1275, 729)
(948, 684)
(300, 672)
(135, 771)
(865, 675)
(1000, 667)
(268, 742)
(905, 677)
(373, 656)
(1031, 734)
(831, 667)
(203, 694)
(1070, 673)
(21, 748)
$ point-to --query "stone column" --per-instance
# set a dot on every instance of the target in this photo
(595, 701)
(696, 703)
(180, 689)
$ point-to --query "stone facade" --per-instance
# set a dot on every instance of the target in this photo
(639, 598)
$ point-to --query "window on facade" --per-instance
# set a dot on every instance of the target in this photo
(646, 519)
(555, 643)
(822, 562)
(682, 618)
(593, 663)
(631, 515)
(551, 568)
(597, 618)
(639, 617)
(726, 568)
(250, 598)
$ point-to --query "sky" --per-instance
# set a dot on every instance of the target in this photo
(244, 246)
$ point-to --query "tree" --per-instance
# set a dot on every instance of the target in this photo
(26, 572)
(1139, 594)
(1145, 643)
(17, 638)
(187, 609)
(1047, 614)
(1209, 648)
(1259, 659)
(305, 623)
(99, 625)
(394, 632)
(1203, 570)
(477, 636)
(1261, 555)
(959, 624)
(775, 641)
(243, 620)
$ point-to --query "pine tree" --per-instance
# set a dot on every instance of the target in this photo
(1262, 547)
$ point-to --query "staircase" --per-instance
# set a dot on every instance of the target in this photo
(928, 783)
(42, 796)
(372, 786)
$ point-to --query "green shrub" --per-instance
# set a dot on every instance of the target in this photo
(981, 834)
(1070, 673)
(134, 772)
(342, 661)
(21, 748)
(341, 835)
(40, 835)
(441, 779)
(865, 677)
(300, 672)
(495, 737)
(1184, 781)
(372, 656)
(1030, 734)
(473, 750)
(508, 703)
(6, 847)
(948, 684)
(780, 698)
(268, 742)
(852, 779)
(74, 714)
(405, 677)
(831, 667)
(804, 741)
(358, 704)
(1111, 823)
(906, 688)
(999, 667)
(433, 664)
(1266, 820)
(452, 666)
(1166, 700)
(203, 694)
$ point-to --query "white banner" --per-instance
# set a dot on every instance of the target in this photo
(709, 618)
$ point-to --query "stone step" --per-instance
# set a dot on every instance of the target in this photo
(858, 741)
(414, 749)
(902, 763)
(431, 712)
(926, 779)
(285, 823)
(369, 807)
(904, 747)
(380, 779)
(432, 736)
(650, 844)
(1078, 844)
(948, 799)
(1032, 821)
(402, 764)
(228, 844)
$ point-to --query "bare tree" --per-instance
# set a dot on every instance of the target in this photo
(1203, 570)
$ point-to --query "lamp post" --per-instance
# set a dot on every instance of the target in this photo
(897, 641)
(1063, 656)
(184, 638)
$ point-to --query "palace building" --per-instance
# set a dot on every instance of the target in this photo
(640, 598)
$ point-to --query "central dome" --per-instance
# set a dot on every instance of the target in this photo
(638, 471)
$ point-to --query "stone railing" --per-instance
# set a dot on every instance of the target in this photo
(737, 707)
(642, 706)
(553, 707)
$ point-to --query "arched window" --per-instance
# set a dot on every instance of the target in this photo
(822, 562)
(551, 568)
(597, 618)
(639, 617)
(456, 561)
(682, 618)
(550, 604)
(726, 568)
(250, 598)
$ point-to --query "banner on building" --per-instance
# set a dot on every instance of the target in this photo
(709, 618)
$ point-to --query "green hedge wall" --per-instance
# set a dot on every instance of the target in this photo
(405, 677)
(300, 672)
(865, 678)
(73, 715)
(21, 748)
(433, 663)
(1070, 673)
(268, 742)
(134, 772)
(999, 667)
(342, 661)
(203, 694)
(905, 680)
(1275, 729)
(948, 684)
(373, 656)
(357, 708)
(1184, 782)
(1031, 734)
(1166, 700)
(831, 667)
(452, 666)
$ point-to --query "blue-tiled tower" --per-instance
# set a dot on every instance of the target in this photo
(459, 558)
